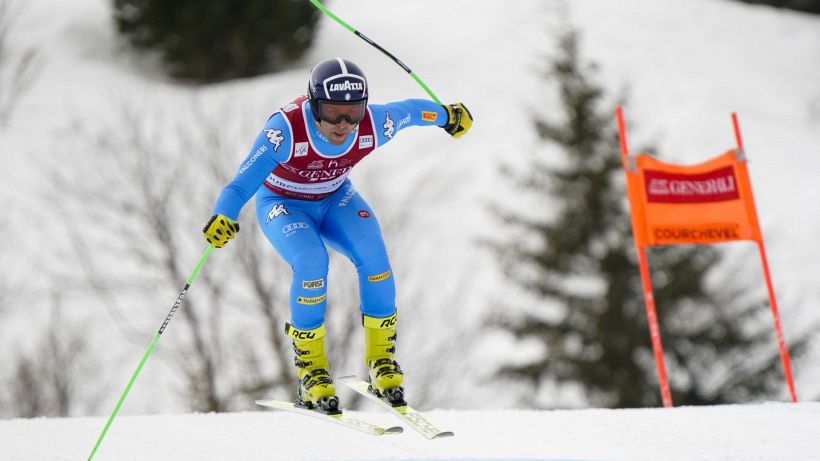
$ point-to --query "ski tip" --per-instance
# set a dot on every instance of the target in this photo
(444, 435)
(394, 430)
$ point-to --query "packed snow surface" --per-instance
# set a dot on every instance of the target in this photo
(768, 431)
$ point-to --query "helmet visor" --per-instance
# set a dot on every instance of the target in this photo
(334, 112)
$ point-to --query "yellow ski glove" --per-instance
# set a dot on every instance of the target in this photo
(219, 230)
(459, 119)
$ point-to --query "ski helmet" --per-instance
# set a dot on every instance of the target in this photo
(337, 90)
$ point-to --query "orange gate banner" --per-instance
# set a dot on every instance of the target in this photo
(707, 203)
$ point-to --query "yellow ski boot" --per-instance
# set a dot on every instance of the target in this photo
(316, 390)
(379, 346)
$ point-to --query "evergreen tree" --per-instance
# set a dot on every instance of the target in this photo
(582, 265)
(218, 39)
(806, 6)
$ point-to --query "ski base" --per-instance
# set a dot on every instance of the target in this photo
(340, 419)
(406, 413)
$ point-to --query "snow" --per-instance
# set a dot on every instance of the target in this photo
(686, 64)
(770, 431)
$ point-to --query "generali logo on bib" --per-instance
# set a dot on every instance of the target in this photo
(714, 186)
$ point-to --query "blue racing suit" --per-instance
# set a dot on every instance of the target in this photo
(304, 201)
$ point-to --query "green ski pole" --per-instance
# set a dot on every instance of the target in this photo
(150, 349)
(347, 26)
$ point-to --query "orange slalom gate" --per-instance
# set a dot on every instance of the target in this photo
(707, 203)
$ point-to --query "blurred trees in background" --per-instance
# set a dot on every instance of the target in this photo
(806, 6)
(18, 71)
(220, 39)
(147, 236)
(582, 267)
(51, 379)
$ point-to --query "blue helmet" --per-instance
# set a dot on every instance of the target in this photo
(335, 83)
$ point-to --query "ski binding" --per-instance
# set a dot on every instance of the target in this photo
(406, 413)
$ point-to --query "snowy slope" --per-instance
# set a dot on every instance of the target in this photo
(765, 432)
(687, 64)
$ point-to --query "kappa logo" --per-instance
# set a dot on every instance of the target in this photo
(301, 149)
(290, 107)
(388, 126)
(365, 141)
(277, 210)
(275, 137)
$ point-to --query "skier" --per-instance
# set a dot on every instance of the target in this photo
(298, 168)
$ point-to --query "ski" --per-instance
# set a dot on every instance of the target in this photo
(341, 418)
(406, 413)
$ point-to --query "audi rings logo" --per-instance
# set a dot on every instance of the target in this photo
(291, 228)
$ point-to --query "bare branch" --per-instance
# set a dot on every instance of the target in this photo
(18, 71)
(46, 382)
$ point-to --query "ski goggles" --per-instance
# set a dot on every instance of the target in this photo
(334, 112)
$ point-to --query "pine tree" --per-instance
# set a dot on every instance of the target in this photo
(806, 6)
(582, 266)
(218, 39)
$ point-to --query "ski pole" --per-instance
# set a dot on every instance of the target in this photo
(151, 346)
(347, 26)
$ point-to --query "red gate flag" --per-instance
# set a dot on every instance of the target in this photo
(707, 203)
